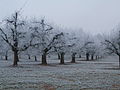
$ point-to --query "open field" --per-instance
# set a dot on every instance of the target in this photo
(83, 75)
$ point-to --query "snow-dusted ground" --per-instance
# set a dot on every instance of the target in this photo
(84, 75)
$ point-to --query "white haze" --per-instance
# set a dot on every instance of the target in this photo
(94, 16)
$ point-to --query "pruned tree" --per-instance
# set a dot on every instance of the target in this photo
(98, 50)
(79, 43)
(4, 49)
(92, 51)
(14, 33)
(44, 38)
(61, 47)
(87, 48)
(112, 44)
(73, 46)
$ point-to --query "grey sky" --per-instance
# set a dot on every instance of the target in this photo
(92, 15)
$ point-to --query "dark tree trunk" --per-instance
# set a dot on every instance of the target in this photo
(62, 58)
(73, 58)
(58, 56)
(35, 58)
(80, 56)
(96, 57)
(87, 56)
(119, 61)
(15, 58)
(6, 57)
(44, 61)
(18, 57)
(29, 57)
(92, 57)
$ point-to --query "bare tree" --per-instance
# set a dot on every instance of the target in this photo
(60, 48)
(14, 33)
(44, 37)
(112, 45)
(73, 46)
(87, 48)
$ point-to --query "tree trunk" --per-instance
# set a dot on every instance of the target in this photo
(6, 57)
(15, 58)
(87, 56)
(58, 56)
(29, 57)
(96, 57)
(73, 58)
(119, 61)
(35, 58)
(44, 62)
(92, 57)
(62, 58)
(80, 56)
(18, 57)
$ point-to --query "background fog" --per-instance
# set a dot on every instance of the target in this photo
(94, 16)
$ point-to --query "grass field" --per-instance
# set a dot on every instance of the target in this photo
(100, 74)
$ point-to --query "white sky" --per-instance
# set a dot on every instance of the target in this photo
(93, 16)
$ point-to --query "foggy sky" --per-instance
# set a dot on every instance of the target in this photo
(93, 16)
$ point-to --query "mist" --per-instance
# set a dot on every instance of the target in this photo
(59, 45)
(94, 16)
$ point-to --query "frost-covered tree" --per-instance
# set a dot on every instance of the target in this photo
(87, 47)
(62, 46)
(112, 43)
(99, 49)
(72, 46)
(14, 33)
(44, 37)
(4, 49)
(92, 50)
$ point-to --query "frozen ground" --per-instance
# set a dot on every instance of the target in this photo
(84, 75)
